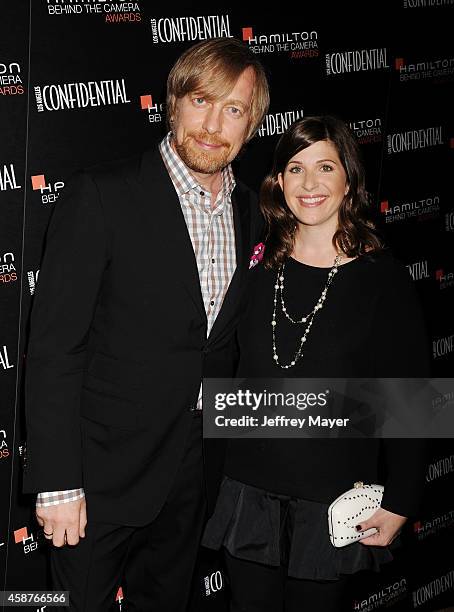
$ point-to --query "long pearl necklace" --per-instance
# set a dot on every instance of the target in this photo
(279, 286)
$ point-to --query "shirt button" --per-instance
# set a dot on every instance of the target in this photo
(202, 193)
(212, 302)
(213, 260)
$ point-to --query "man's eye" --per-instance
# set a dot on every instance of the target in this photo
(235, 111)
(199, 101)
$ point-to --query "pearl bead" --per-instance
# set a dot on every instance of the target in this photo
(318, 306)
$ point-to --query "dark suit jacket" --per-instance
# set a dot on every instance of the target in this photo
(118, 345)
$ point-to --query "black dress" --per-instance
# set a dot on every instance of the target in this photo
(273, 502)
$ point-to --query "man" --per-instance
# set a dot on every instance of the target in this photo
(137, 300)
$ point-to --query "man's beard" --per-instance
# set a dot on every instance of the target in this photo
(198, 160)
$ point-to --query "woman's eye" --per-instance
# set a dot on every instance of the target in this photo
(325, 166)
(295, 169)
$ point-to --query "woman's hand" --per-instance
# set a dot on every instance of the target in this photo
(388, 525)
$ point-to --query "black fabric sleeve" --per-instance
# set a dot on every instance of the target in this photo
(75, 256)
(401, 350)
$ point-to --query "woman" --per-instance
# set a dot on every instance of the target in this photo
(327, 300)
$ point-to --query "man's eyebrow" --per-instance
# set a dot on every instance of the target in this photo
(200, 94)
(237, 102)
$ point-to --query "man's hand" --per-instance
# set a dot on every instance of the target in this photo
(65, 522)
(388, 525)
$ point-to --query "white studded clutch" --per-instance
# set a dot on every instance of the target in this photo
(350, 509)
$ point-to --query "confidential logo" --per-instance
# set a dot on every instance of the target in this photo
(10, 80)
(433, 589)
(441, 467)
(423, 209)
(64, 96)
(419, 270)
(4, 359)
(32, 278)
(443, 346)
(449, 222)
(366, 130)
(441, 401)
(8, 178)
(300, 44)
(213, 583)
(182, 29)
(426, 3)
(278, 123)
(412, 140)
(361, 60)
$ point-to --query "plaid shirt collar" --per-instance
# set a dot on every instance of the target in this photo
(184, 182)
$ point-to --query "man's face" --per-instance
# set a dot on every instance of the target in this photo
(209, 134)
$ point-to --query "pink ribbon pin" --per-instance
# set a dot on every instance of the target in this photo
(257, 255)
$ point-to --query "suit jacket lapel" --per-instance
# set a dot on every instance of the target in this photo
(162, 206)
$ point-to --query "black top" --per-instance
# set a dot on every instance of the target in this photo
(371, 325)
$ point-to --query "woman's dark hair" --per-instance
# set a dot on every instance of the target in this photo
(356, 233)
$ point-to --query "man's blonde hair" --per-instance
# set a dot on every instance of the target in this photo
(213, 67)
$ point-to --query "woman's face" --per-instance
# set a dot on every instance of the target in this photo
(314, 183)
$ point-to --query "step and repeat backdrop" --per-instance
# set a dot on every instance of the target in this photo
(83, 81)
